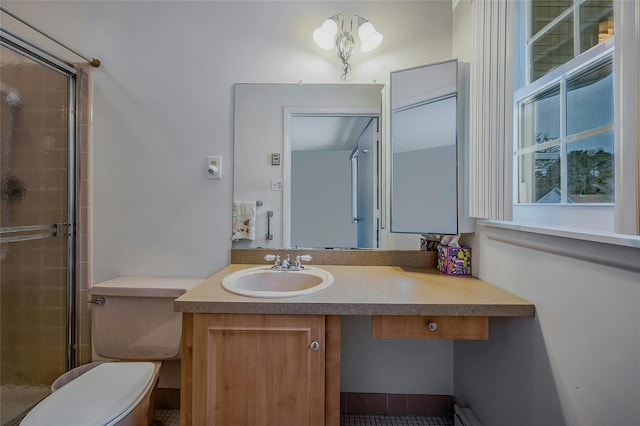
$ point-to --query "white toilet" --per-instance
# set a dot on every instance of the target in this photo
(132, 321)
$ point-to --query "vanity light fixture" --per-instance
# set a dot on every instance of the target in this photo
(325, 38)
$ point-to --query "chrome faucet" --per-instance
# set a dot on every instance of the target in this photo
(298, 263)
(286, 265)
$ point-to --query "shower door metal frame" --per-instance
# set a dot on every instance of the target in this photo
(68, 229)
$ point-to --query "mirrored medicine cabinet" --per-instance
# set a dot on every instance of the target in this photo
(427, 160)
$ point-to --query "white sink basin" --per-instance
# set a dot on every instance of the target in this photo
(264, 282)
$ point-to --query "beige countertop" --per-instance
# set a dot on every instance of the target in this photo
(367, 290)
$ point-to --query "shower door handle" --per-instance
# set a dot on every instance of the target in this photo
(55, 230)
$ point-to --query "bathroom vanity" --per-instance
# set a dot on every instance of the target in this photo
(234, 345)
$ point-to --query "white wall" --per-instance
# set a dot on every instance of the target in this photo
(164, 100)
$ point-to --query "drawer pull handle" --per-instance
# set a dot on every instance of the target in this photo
(432, 326)
(314, 346)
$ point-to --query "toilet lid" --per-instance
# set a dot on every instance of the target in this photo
(102, 396)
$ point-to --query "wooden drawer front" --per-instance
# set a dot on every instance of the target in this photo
(417, 327)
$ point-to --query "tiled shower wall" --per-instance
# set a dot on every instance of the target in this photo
(34, 173)
(32, 308)
(84, 215)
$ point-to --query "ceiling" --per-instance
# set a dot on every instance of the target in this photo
(326, 133)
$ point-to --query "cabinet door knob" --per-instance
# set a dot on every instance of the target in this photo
(314, 346)
(432, 326)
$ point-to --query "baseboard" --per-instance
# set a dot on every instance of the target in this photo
(396, 404)
(357, 403)
(168, 399)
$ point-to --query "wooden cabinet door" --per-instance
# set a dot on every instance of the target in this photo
(258, 369)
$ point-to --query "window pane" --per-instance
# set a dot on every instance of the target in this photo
(545, 11)
(596, 23)
(540, 176)
(554, 48)
(590, 99)
(590, 169)
(540, 118)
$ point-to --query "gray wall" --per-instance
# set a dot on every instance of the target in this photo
(430, 206)
(577, 362)
(321, 199)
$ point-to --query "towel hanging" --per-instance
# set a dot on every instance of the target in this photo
(244, 220)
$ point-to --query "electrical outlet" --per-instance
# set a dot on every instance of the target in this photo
(276, 184)
(214, 166)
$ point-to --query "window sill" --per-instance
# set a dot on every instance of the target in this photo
(606, 248)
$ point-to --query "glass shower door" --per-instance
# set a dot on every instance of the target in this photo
(36, 246)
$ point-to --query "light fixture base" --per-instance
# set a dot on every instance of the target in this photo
(369, 37)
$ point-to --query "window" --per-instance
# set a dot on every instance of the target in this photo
(561, 30)
(564, 118)
(565, 152)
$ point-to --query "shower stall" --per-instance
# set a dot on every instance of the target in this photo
(37, 224)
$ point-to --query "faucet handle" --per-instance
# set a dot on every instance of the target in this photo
(272, 257)
(299, 259)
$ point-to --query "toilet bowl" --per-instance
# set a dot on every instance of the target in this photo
(133, 324)
(113, 393)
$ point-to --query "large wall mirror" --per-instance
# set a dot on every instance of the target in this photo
(324, 189)
(424, 154)
(315, 158)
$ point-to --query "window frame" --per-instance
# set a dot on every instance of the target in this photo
(563, 214)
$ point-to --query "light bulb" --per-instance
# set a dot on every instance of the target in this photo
(369, 37)
(325, 35)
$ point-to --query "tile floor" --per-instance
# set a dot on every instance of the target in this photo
(172, 418)
(167, 418)
(380, 420)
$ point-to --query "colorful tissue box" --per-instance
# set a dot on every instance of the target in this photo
(427, 244)
(454, 260)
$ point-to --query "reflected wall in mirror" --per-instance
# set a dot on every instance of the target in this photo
(424, 149)
(326, 136)
(334, 199)
(426, 170)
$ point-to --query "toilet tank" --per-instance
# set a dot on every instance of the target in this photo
(137, 321)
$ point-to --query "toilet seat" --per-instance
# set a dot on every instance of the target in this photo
(102, 396)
